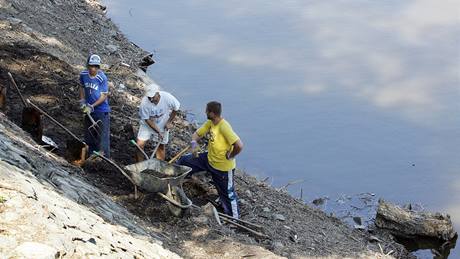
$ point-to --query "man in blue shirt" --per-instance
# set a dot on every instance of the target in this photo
(94, 92)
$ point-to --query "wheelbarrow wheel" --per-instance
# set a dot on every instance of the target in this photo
(178, 195)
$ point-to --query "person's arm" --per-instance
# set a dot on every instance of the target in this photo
(174, 105)
(153, 125)
(237, 148)
(144, 115)
(82, 93)
(199, 133)
(104, 93)
(81, 90)
(234, 140)
(100, 100)
(172, 116)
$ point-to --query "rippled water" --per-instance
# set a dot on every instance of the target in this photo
(351, 96)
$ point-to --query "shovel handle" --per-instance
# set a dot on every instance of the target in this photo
(139, 148)
(17, 89)
(178, 155)
(55, 121)
(155, 150)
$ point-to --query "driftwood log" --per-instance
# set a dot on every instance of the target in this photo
(409, 224)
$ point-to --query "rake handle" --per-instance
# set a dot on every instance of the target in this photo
(90, 118)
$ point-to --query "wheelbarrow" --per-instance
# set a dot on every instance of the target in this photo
(168, 186)
(163, 178)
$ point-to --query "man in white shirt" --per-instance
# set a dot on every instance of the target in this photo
(157, 112)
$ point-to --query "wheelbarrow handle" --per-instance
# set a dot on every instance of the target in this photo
(175, 203)
(115, 165)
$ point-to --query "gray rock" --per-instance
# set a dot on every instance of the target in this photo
(14, 21)
(244, 202)
(279, 217)
(112, 48)
(278, 245)
(266, 209)
(357, 220)
(359, 227)
(248, 193)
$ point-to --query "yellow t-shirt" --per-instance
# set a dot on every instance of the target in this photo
(221, 140)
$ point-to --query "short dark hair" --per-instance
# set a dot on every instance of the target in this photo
(214, 107)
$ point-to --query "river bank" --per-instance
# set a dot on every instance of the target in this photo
(44, 44)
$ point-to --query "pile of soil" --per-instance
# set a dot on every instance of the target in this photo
(156, 173)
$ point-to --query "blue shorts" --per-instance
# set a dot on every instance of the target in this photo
(223, 181)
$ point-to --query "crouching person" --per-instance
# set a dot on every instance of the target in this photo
(224, 145)
(157, 112)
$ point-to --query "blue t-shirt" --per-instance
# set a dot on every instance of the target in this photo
(94, 87)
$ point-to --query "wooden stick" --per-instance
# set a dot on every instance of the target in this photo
(240, 220)
(178, 155)
(17, 89)
(56, 122)
(244, 227)
(291, 183)
(155, 150)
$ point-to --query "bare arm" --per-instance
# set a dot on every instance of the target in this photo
(101, 99)
(152, 125)
(82, 93)
(237, 148)
(172, 116)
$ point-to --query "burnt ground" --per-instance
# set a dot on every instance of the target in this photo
(51, 81)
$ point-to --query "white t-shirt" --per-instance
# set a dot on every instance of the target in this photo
(158, 113)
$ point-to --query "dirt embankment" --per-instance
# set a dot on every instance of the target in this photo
(44, 44)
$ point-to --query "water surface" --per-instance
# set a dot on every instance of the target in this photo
(352, 96)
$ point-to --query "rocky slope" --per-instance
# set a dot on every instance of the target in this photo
(44, 44)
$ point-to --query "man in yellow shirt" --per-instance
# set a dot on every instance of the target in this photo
(219, 161)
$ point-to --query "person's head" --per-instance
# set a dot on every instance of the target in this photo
(153, 96)
(93, 63)
(213, 110)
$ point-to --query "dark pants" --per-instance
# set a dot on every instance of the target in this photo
(223, 181)
(98, 142)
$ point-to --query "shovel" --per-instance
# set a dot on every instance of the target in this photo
(95, 128)
(143, 152)
(31, 117)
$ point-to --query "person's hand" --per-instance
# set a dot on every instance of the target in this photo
(228, 155)
(160, 136)
(168, 126)
(88, 108)
(193, 144)
(82, 103)
(194, 147)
